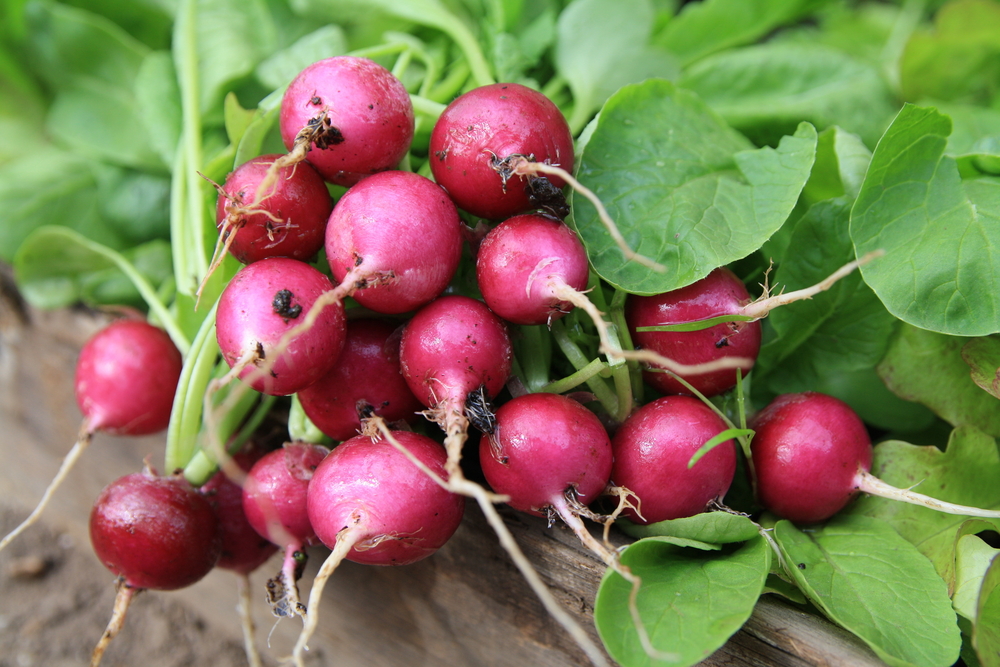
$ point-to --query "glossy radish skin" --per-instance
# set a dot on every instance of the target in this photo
(452, 347)
(373, 489)
(652, 450)
(299, 200)
(156, 532)
(368, 106)
(521, 260)
(126, 378)
(274, 494)
(401, 223)
(260, 304)
(493, 123)
(243, 549)
(368, 373)
(808, 449)
(543, 446)
(719, 293)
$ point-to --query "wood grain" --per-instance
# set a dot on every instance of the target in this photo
(467, 605)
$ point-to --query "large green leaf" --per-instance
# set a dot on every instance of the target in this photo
(928, 367)
(983, 357)
(766, 90)
(986, 631)
(972, 559)
(941, 270)
(871, 581)
(281, 67)
(691, 601)
(159, 104)
(965, 473)
(683, 187)
(707, 527)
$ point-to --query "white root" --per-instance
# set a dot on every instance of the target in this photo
(870, 484)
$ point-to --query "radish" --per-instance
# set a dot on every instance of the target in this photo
(719, 294)
(812, 455)
(126, 377)
(349, 116)
(478, 134)
(531, 269)
(152, 532)
(288, 221)
(274, 500)
(262, 326)
(402, 227)
(453, 347)
(653, 448)
(370, 504)
(366, 377)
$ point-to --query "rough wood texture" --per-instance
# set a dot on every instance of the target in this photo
(467, 605)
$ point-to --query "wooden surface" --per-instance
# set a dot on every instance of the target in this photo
(465, 606)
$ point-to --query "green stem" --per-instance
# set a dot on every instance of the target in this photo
(202, 466)
(535, 352)
(469, 45)
(185, 417)
(617, 312)
(576, 357)
(427, 106)
(448, 88)
(593, 369)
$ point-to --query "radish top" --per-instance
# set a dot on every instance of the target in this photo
(156, 532)
(372, 488)
(808, 449)
(126, 377)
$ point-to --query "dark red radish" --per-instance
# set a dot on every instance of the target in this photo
(274, 501)
(653, 448)
(719, 294)
(402, 227)
(366, 376)
(481, 131)
(126, 377)
(288, 221)
(544, 447)
(259, 312)
(371, 504)
(153, 533)
(812, 455)
(350, 117)
(243, 548)
(531, 269)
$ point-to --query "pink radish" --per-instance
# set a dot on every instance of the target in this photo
(126, 377)
(720, 293)
(653, 448)
(288, 221)
(531, 269)
(371, 504)
(258, 315)
(812, 455)
(350, 117)
(274, 500)
(366, 376)
(481, 131)
(152, 532)
(402, 227)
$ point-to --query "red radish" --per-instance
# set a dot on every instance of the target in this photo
(481, 131)
(653, 448)
(152, 532)
(126, 377)
(718, 294)
(289, 221)
(528, 265)
(544, 448)
(371, 504)
(274, 500)
(366, 375)
(452, 347)
(260, 307)
(812, 455)
(350, 117)
(399, 225)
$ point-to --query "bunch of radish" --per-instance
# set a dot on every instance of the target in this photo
(389, 325)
